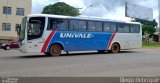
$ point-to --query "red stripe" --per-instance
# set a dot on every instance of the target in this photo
(47, 41)
(112, 37)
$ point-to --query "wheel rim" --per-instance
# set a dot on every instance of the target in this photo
(8, 47)
(115, 48)
(55, 50)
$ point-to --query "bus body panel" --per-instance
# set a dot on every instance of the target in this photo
(79, 41)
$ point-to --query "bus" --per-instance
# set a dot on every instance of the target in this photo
(54, 34)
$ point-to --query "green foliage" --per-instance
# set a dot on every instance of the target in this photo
(150, 45)
(60, 8)
(148, 27)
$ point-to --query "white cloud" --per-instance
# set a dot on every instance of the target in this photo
(112, 9)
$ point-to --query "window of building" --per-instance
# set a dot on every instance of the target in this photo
(7, 10)
(20, 11)
(6, 26)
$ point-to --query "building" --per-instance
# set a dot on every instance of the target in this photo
(11, 14)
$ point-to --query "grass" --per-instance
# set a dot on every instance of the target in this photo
(150, 45)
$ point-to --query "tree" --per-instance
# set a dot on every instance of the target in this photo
(60, 8)
(148, 27)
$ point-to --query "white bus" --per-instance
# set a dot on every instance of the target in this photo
(52, 34)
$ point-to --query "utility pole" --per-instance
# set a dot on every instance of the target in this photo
(159, 17)
(78, 10)
(86, 9)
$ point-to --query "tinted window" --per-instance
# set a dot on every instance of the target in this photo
(120, 28)
(91, 26)
(82, 26)
(98, 26)
(73, 25)
(113, 27)
(135, 28)
(35, 27)
(58, 24)
(126, 28)
(109, 27)
(63, 24)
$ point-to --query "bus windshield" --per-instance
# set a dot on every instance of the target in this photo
(35, 27)
(22, 29)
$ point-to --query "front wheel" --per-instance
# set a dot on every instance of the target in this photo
(115, 48)
(7, 48)
(55, 50)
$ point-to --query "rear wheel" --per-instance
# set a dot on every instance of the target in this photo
(55, 50)
(115, 48)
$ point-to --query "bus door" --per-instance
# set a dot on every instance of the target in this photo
(34, 33)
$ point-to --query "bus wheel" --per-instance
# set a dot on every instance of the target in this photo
(55, 50)
(115, 48)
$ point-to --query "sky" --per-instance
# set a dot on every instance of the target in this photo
(109, 9)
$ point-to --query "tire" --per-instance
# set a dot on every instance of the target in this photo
(7, 48)
(55, 50)
(115, 48)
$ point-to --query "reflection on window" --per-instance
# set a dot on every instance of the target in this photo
(135, 28)
(82, 26)
(120, 28)
(109, 27)
(126, 28)
(91, 26)
(20, 11)
(98, 26)
(73, 25)
(6, 26)
(7, 10)
(58, 24)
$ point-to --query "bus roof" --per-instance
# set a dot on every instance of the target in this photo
(80, 18)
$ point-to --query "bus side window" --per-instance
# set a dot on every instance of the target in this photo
(52, 24)
(91, 26)
(99, 26)
(106, 27)
(82, 26)
(134, 28)
(120, 28)
(73, 25)
(126, 28)
(113, 27)
(63, 24)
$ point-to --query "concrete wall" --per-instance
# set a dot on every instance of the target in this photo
(13, 18)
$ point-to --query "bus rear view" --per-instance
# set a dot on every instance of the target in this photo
(52, 34)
